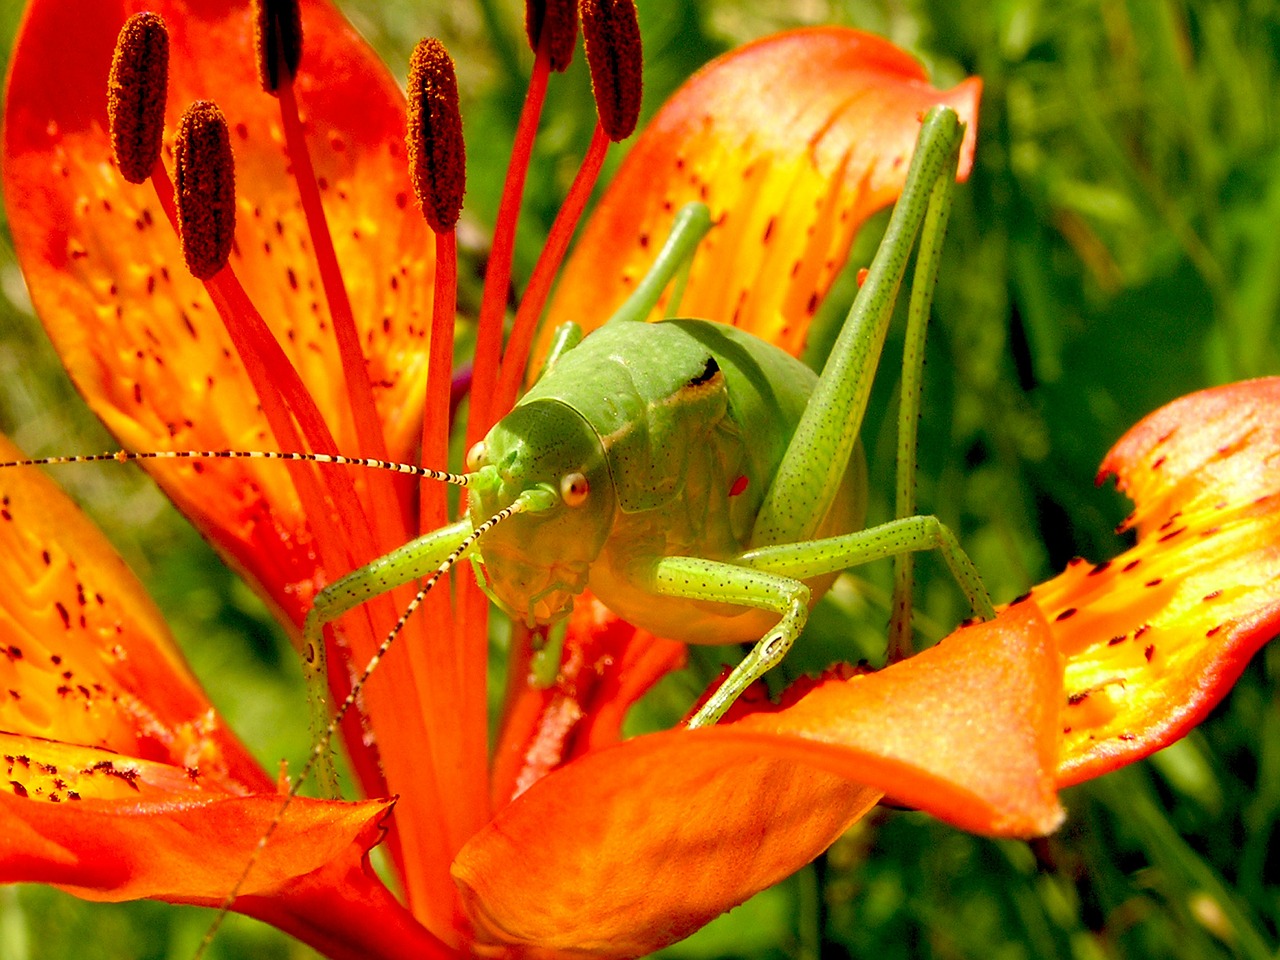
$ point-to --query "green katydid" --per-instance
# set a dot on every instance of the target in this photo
(703, 483)
(695, 477)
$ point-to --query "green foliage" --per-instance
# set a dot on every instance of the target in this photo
(1115, 248)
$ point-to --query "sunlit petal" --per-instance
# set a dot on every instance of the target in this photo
(119, 778)
(792, 142)
(632, 847)
(1154, 638)
(635, 847)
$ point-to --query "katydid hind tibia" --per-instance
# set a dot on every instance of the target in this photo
(703, 483)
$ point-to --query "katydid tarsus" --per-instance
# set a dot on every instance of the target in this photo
(703, 483)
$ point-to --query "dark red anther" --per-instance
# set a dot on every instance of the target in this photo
(555, 23)
(205, 189)
(136, 93)
(437, 154)
(278, 36)
(612, 36)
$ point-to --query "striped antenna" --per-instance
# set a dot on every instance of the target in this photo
(526, 502)
(128, 456)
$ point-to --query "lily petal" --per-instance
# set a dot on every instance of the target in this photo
(120, 780)
(140, 335)
(145, 829)
(166, 840)
(145, 347)
(635, 847)
(629, 848)
(1154, 638)
(792, 141)
(606, 665)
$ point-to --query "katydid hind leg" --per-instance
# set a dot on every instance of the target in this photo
(809, 476)
(928, 257)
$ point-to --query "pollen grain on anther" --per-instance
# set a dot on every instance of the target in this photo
(136, 92)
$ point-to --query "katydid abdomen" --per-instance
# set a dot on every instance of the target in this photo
(677, 429)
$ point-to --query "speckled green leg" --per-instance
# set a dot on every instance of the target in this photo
(907, 535)
(812, 467)
(691, 224)
(416, 559)
(692, 578)
(770, 578)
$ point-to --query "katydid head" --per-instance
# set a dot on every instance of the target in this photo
(535, 563)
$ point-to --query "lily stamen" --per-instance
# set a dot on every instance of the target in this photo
(611, 35)
(552, 30)
(438, 169)
(278, 36)
(204, 203)
(552, 24)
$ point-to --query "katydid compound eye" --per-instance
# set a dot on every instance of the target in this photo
(475, 456)
(574, 489)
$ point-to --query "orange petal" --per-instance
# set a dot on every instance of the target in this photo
(1154, 638)
(792, 141)
(107, 827)
(633, 847)
(145, 347)
(138, 334)
(964, 730)
(119, 779)
(85, 657)
(606, 665)
(143, 829)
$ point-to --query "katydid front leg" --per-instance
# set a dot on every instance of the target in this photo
(691, 224)
(416, 559)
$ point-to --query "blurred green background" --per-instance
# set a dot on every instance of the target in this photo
(1117, 246)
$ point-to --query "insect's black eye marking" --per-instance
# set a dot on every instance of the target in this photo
(574, 489)
(708, 371)
(476, 455)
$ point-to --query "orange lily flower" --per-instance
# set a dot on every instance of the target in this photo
(124, 783)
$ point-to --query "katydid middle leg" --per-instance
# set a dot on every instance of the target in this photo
(772, 578)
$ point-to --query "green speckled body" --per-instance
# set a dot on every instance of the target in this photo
(685, 409)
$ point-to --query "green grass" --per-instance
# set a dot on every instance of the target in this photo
(1115, 247)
